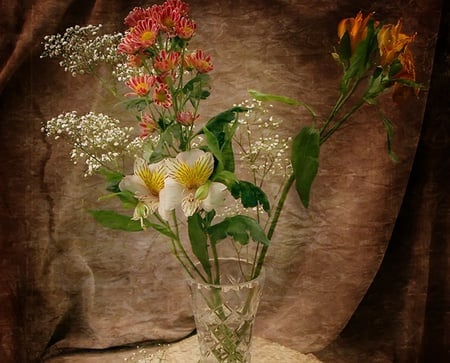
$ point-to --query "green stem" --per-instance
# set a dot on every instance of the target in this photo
(178, 246)
(339, 123)
(343, 98)
(273, 224)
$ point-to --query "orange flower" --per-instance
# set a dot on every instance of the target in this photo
(393, 46)
(356, 28)
(392, 42)
(408, 73)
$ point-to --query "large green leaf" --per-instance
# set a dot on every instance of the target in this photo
(199, 241)
(114, 220)
(250, 195)
(305, 161)
(240, 228)
(218, 122)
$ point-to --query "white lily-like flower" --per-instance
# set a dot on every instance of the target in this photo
(146, 184)
(188, 184)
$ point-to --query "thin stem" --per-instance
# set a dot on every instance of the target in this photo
(179, 246)
(339, 123)
(273, 224)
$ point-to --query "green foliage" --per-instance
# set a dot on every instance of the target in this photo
(199, 240)
(114, 220)
(197, 87)
(219, 132)
(240, 228)
(250, 195)
(362, 58)
(305, 161)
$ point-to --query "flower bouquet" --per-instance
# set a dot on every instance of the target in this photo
(181, 176)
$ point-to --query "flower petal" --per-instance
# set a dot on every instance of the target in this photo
(169, 198)
(133, 184)
(216, 196)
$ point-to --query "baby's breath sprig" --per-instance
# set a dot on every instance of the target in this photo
(81, 49)
(267, 154)
(97, 139)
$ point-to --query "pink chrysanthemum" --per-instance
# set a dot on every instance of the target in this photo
(185, 28)
(134, 16)
(186, 118)
(162, 96)
(147, 126)
(140, 85)
(169, 17)
(180, 6)
(200, 61)
(166, 61)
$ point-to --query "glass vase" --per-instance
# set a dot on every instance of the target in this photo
(224, 313)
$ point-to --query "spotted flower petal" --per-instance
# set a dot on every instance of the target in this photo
(146, 183)
(188, 172)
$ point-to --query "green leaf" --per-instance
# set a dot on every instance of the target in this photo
(196, 87)
(389, 138)
(305, 161)
(199, 241)
(226, 177)
(394, 68)
(240, 228)
(114, 220)
(345, 50)
(361, 60)
(219, 132)
(289, 101)
(113, 179)
(250, 195)
(220, 121)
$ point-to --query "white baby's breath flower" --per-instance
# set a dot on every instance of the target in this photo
(97, 139)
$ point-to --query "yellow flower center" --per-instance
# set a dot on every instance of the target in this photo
(154, 181)
(195, 176)
(147, 36)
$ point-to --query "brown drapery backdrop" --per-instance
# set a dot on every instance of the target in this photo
(365, 279)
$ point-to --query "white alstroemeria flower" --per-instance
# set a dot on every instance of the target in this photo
(188, 184)
(146, 184)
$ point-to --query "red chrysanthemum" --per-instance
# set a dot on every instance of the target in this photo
(166, 61)
(169, 18)
(141, 37)
(180, 6)
(199, 61)
(134, 16)
(185, 28)
(162, 96)
(140, 85)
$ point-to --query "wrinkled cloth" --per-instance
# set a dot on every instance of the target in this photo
(68, 284)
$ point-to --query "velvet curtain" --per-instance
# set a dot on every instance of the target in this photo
(362, 275)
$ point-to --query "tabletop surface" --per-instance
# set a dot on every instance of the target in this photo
(263, 351)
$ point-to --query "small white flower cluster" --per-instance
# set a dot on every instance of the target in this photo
(267, 154)
(97, 139)
(82, 49)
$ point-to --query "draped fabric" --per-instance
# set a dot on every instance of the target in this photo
(362, 275)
